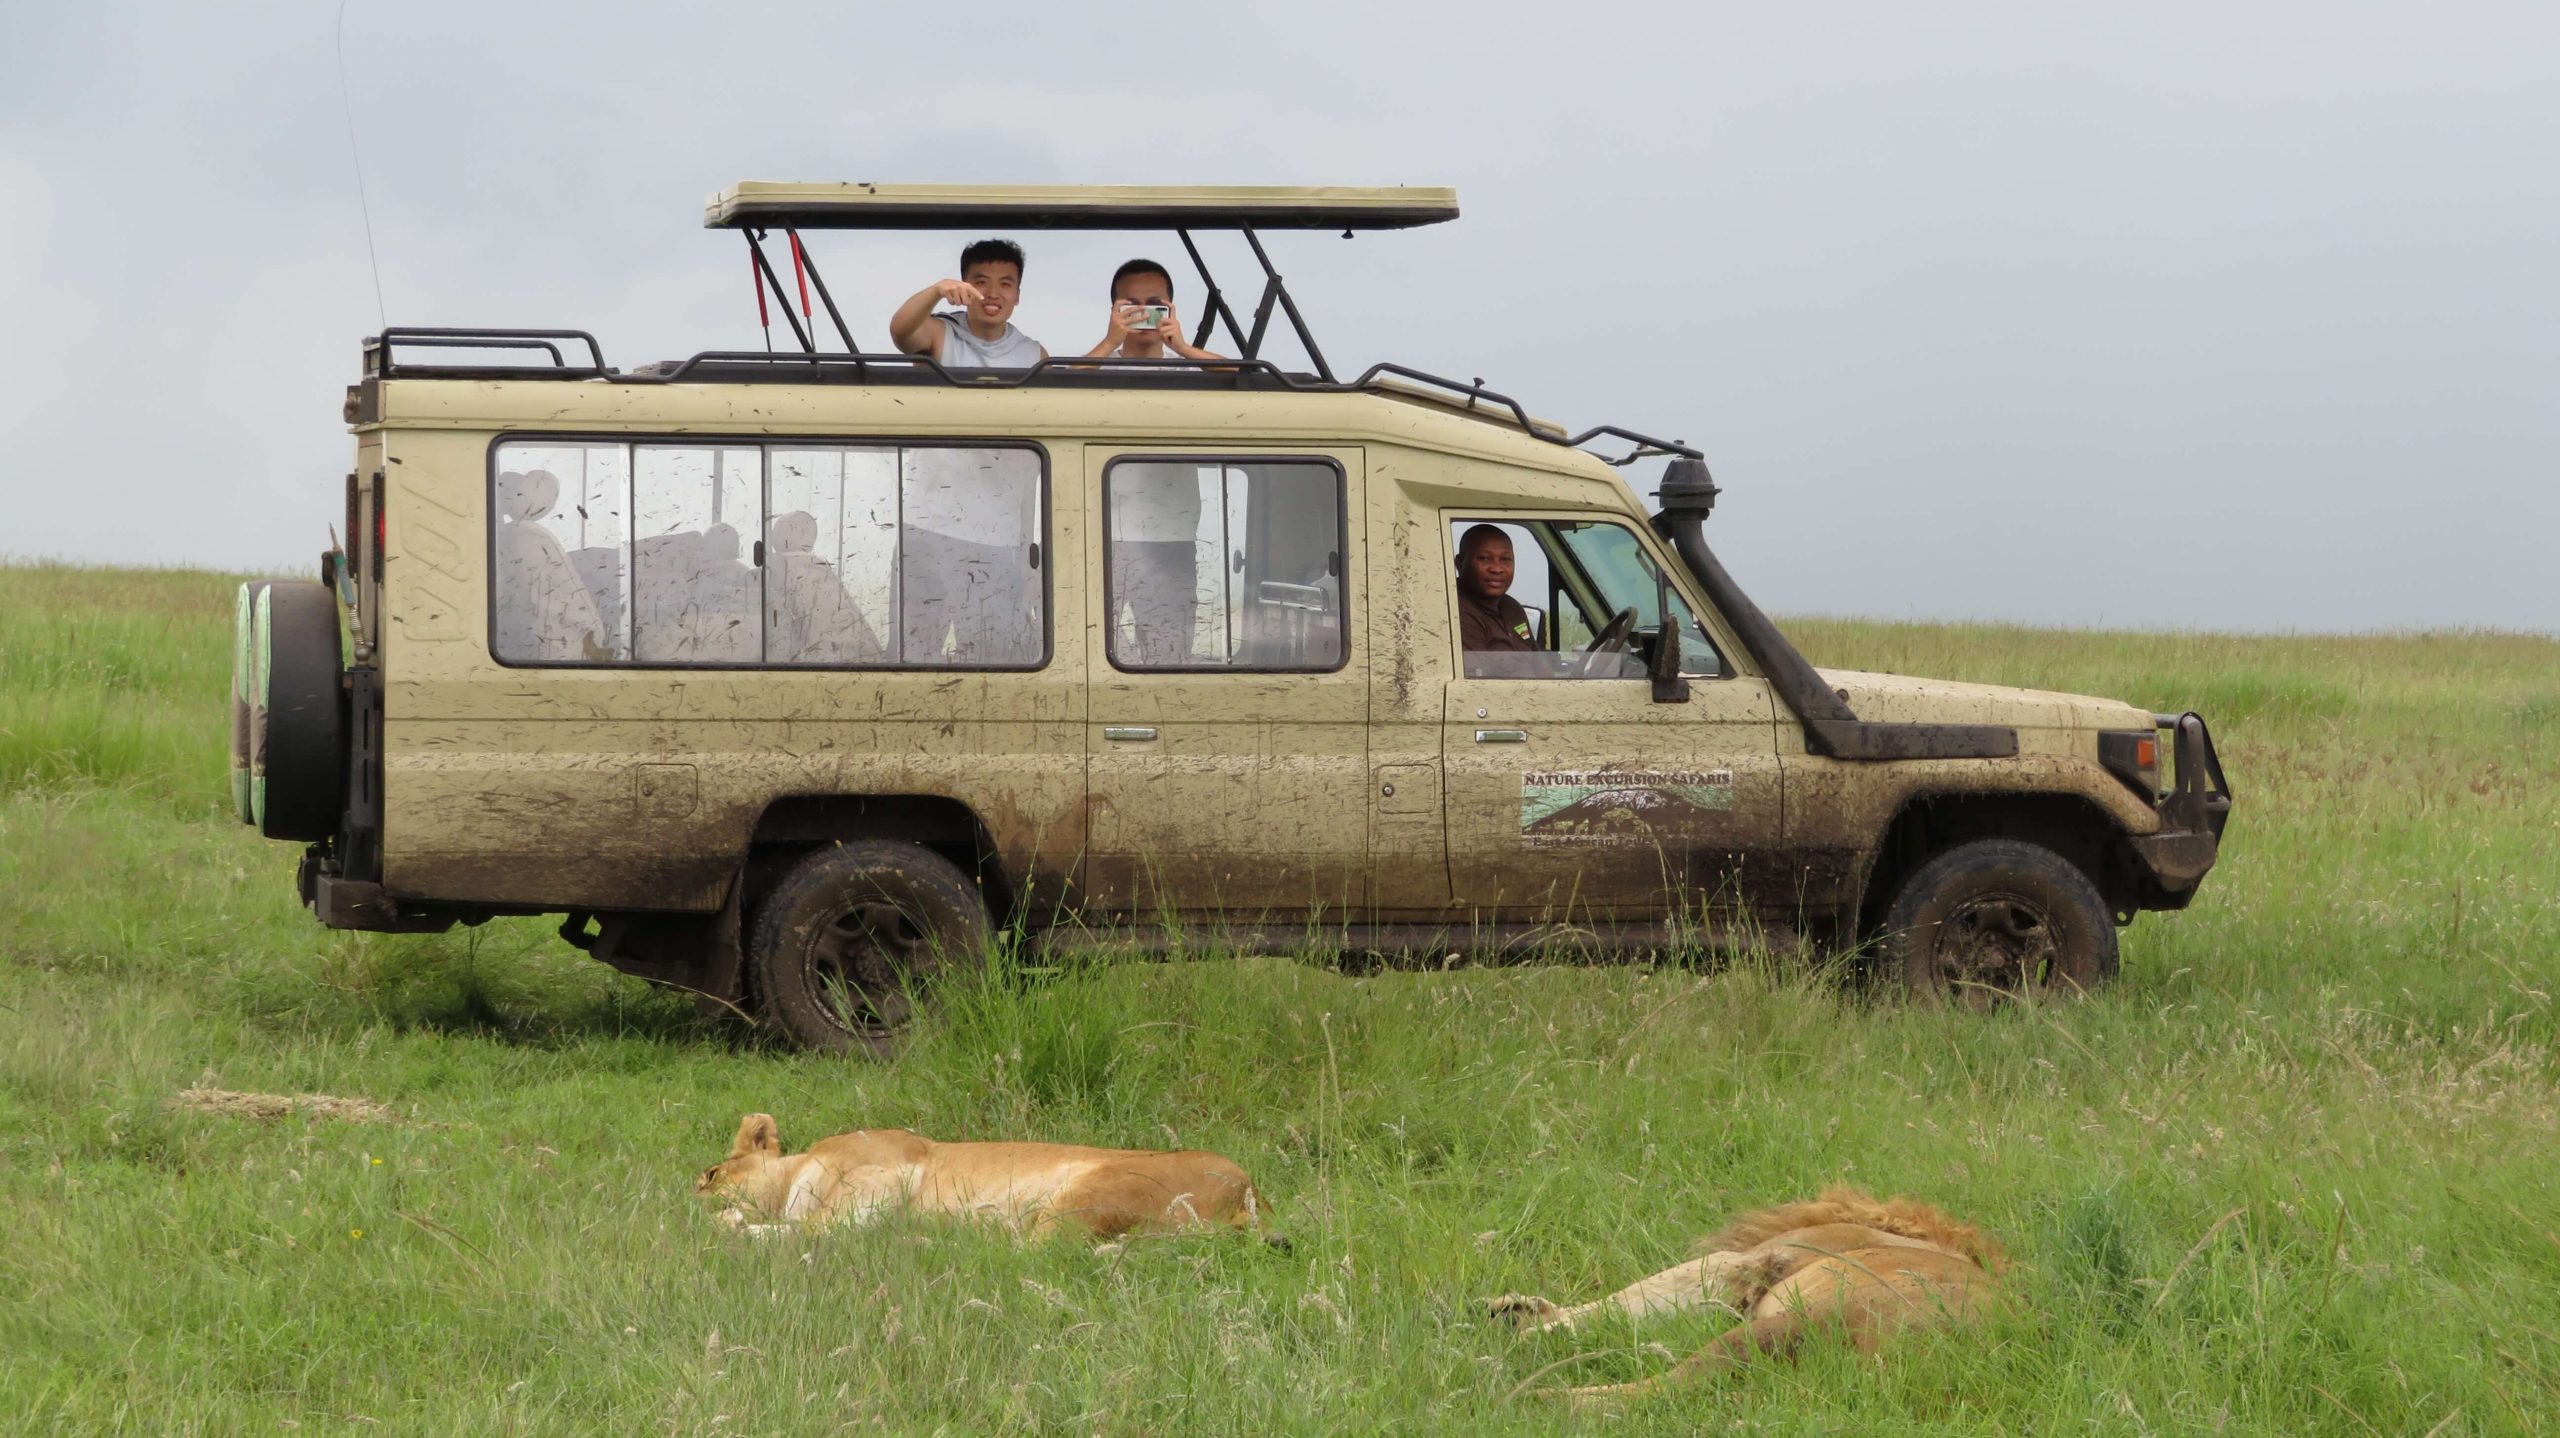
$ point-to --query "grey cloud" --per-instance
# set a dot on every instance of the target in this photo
(2184, 316)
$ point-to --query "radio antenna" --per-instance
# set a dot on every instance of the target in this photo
(364, 207)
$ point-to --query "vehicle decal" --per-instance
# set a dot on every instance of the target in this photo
(1618, 808)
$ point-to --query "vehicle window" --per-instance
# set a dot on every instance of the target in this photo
(1224, 565)
(1569, 579)
(831, 556)
(969, 590)
(919, 556)
(558, 547)
(1627, 578)
(696, 597)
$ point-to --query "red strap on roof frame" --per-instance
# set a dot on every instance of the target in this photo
(800, 274)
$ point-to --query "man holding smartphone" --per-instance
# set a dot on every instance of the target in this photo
(1143, 322)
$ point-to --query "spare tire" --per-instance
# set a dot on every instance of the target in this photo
(298, 713)
(244, 684)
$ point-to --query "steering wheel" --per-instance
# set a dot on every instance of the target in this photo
(1596, 659)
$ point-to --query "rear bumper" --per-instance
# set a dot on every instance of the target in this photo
(2194, 809)
(343, 903)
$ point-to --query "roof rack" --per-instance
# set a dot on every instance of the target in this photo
(1392, 381)
(380, 354)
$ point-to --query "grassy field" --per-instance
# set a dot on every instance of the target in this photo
(2295, 1173)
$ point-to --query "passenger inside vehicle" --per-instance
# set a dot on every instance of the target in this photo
(548, 614)
(694, 598)
(811, 619)
(981, 333)
(1142, 323)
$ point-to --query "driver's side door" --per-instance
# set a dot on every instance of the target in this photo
(1571, 794)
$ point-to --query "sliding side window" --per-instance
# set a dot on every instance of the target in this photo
(836, 556)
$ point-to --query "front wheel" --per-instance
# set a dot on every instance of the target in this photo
(847, 947)
(1998, 919)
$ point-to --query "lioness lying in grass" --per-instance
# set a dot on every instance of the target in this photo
(1032, 1188)
(1842, 1263)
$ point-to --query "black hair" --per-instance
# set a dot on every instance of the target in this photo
(1476, 535)
(1143, 267)
(985, 250)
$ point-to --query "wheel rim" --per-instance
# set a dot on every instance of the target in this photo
(1993, 946)
(865, 963)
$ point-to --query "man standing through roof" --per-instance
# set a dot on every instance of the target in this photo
(980, 334)
(1490, 621)
(1155, 508)
(1143, 323)
(968, 592)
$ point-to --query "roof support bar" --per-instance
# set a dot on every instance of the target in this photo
(765, 268)
(1274, 289)
(810, 262)
(1215, 307)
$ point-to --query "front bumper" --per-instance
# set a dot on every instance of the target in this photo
(2193, 812)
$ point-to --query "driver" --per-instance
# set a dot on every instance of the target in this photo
(1490, 621)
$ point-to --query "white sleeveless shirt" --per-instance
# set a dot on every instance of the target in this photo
(962, 349)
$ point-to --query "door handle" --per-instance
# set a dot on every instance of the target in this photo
(1128, 732)
(1502, 736)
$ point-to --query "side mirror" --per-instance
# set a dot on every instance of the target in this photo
(1668, 686)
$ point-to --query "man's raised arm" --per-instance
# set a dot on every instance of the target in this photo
(913, 328)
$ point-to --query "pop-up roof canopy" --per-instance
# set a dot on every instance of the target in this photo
(780, 205)
(755, 208)
(764, 209)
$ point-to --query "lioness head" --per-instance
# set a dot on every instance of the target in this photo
(758, 1144)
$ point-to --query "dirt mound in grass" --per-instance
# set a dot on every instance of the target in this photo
(272, 1106)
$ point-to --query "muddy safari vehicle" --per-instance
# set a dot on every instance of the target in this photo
(793, 676)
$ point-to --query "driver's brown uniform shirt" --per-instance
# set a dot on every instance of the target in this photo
(1497, 624)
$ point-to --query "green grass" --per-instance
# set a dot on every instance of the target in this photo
(2293, 1174)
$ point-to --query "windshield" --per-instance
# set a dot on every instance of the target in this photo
(1625, 577)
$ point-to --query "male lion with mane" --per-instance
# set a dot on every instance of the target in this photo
(1843, 1263)
(1035, 1189)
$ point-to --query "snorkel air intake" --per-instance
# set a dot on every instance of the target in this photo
(1831, 728)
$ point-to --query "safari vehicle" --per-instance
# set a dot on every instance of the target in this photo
(793, 677)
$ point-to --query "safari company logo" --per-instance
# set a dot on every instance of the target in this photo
(1619, 808)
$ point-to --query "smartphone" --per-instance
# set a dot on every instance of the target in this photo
(1149, 317)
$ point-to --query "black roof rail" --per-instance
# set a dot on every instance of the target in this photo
(381, 357)
(780, 365)
(855, 366)
(1646, 446)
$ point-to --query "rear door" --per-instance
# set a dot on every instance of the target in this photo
(1226, 754)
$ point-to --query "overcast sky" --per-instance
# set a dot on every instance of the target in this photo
(2235, 317)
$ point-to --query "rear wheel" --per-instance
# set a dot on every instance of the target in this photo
(848, 946)
(1998, 919)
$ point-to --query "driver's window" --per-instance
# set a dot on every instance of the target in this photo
(1523, 612)
(1608, 558)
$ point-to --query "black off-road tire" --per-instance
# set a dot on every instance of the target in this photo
(297, 720)
(1993, 920)
(848, 946)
